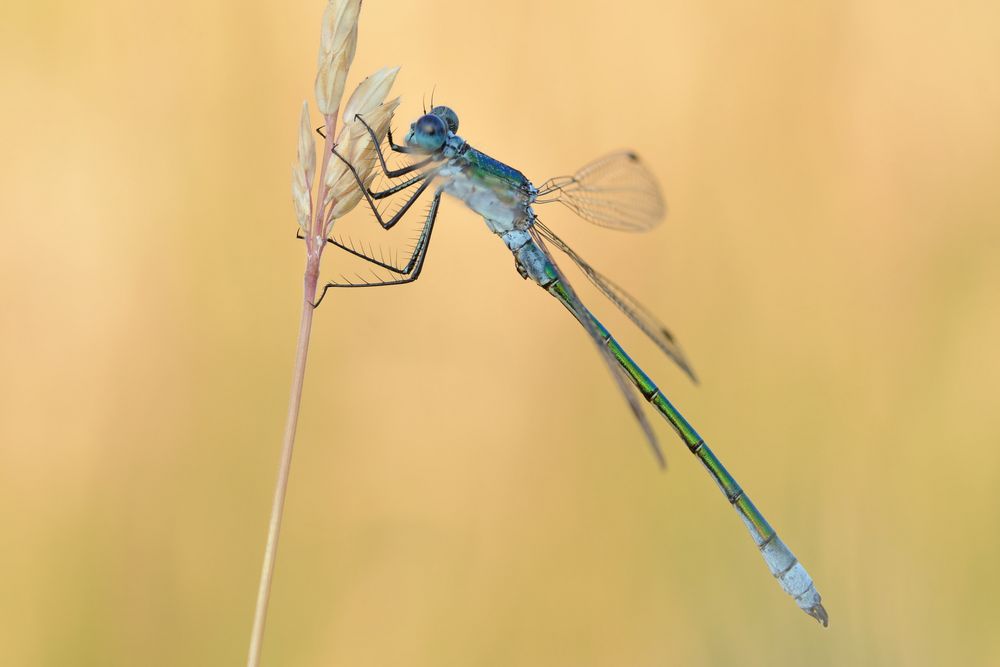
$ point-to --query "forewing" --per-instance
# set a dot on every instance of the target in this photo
(624, 385)
(615, 191)
(641, 316)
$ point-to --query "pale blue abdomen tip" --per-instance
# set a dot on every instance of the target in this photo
(794, 579)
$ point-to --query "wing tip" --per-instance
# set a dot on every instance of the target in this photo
(691, 374)
(661, 460)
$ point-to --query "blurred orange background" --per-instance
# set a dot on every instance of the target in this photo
(468, 489)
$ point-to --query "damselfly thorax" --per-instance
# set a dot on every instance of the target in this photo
(499, 193)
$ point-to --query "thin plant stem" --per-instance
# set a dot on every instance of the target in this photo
(314, 251)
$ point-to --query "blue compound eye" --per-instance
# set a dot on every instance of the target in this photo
(429, 133)
(432, 126)
(448, 116)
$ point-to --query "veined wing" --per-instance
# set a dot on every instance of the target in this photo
(615, 191)
(635, 311)
(583, 315)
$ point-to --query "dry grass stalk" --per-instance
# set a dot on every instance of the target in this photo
(337, 193)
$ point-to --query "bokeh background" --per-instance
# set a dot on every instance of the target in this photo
(468, 489)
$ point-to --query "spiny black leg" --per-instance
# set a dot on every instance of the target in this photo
(388, 224)
(382, 194)
(391, 173)
(368, 258)
(393, 145)
(416, 263)
(413, 268)
(396, 148)
(357, 253)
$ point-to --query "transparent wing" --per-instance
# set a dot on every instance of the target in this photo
(635, 311)
(615, 191)
(628, 391)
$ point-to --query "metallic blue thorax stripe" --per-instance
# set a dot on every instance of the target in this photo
(485, 165)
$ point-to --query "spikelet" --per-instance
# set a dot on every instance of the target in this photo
(307, 144)
(303, 171)
(362, 151)
(370, 93)
(338, 42)
(339, 180)
(348, 201)
(356, 145)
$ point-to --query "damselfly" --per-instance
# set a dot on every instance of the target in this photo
(615, 191)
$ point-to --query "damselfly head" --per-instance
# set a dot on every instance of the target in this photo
(448, 116)
(427, 134)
